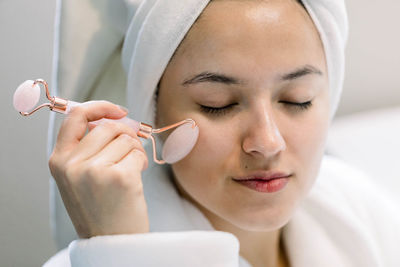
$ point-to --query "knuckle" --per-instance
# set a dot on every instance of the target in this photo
(55, 168)
(137, 188)
(111, 125)
(117, 127)
(126, 138)
(141, 153)
(62, 169)
(70, 170)
(128, 141)
(119, 178)
(92, 171)
(129, 182)
(53, 161)
(125, 180)
(142, 157)
(127, 130)
(88, 174)
(137, 142)
(134, 142)
(131, 132)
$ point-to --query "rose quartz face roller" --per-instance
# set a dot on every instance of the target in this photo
(177, 146)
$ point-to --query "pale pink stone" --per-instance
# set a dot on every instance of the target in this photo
(179, 143)
(26, 96)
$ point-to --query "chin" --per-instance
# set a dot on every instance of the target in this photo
(263, 221)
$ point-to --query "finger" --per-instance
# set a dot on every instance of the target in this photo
(117, 149)
(98, 138)
(91, 126)
(135, 161)
(75, 124)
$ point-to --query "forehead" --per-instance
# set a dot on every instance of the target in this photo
(251, 27)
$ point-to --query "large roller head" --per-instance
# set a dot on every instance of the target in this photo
(180, 142)
(26, 96)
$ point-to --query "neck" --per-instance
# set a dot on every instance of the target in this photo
(258, 248)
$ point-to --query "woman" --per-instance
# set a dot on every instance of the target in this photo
(261, 80)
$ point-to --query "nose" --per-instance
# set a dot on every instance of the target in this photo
(263, 137)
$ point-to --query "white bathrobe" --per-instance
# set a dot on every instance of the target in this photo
(344, 221)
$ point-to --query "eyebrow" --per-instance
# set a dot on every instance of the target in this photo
(300, 72)
(211, 77)
(214, 77)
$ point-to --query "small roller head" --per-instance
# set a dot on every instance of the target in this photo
(180, 142)
(26, 96)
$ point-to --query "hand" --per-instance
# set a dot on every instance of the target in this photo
(99, 175)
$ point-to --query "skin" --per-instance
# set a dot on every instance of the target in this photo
(257, 43)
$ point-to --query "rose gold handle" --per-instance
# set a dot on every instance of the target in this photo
(63, 106)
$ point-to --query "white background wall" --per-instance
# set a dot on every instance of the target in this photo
(26, 49)
(373, 56)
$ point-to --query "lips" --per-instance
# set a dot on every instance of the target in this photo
(263, 175)
(264, 181)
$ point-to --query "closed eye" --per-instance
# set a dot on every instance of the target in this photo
(217, 110)
(298, 106)
(223, 110)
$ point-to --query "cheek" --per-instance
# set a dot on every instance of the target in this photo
(306, 145)
(309, 142)
(206, 165)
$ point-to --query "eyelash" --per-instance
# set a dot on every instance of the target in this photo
(223, 110)
(216, 110)
(299, 106)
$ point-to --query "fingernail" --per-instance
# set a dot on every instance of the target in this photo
(124, 109)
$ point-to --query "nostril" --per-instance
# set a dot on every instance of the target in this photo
(266, 142)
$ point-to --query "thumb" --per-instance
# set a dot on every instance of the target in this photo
(98, 109)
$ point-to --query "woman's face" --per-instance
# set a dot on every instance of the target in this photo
(256, 64)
